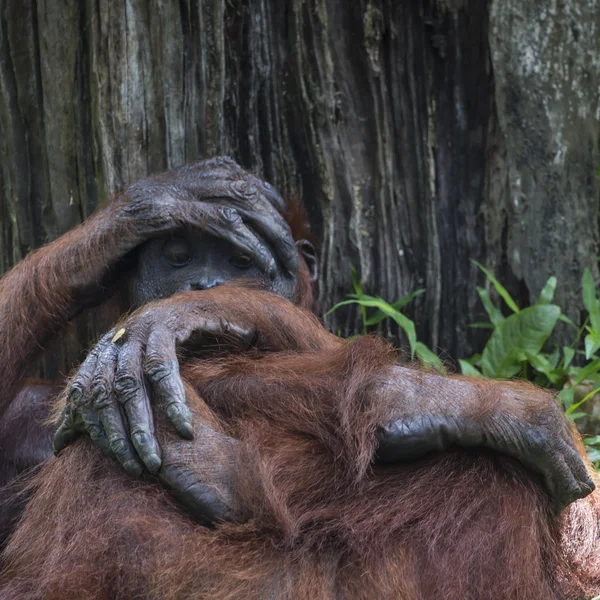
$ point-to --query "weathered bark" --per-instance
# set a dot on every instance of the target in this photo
(421, 134)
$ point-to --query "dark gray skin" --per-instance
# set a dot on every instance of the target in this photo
(196, 261)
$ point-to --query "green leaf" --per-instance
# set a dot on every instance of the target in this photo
(494, 313)
(428, 357)
(569, 353)
(400, 304)
(575, 406)
(359, 290)
(592, 343)
(577, 415)
(468, 369)
(547, 292)
(379, 316)
(587, 372)
(339, 304)
(541, 364)
(589, 290)
(499, 288)
(554, 358)
(566, 396)
(594, 456)
(481, 326)
(473, 360)
(568, 321)
(356, 281)
(404, 322)
(518, 335)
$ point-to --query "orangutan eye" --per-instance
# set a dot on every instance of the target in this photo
(177, 252)
(243, 261)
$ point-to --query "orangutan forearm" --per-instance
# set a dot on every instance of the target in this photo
(47, 289)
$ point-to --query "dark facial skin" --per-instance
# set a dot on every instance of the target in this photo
(196, 261)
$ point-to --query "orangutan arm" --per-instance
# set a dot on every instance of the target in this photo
(427, 411)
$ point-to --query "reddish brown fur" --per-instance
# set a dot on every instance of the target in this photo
(38, 299)
(52, 285)
(326, 524)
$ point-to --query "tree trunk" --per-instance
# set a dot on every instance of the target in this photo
(420, 134)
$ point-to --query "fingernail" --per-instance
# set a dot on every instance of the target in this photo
(153, 463)
(272, 269)
(186, 431)
(133, 468)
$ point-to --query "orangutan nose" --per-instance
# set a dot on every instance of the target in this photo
(205, 284)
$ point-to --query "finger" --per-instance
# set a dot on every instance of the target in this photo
(80, 388)
(273, 228)
(200, 499)
(162, 370)
(270, 193)
(226, 223)
(579, 471)
(112, 419)
(256, 200)
(131, 394)
(408, 438)
(560, 483)
(87, 419)
(559, 479)
(66, 432)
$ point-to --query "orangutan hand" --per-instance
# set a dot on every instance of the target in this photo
(215, 196)
(138, 362)
(525, 422)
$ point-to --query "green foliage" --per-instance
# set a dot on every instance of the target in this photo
(379, 310)
(517, 345)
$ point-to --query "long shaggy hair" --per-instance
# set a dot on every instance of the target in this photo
(324, 523)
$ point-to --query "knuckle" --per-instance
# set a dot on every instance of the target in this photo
(119, 446)
(99, 389)
(244, 188)
(229, 216)
(157, 370)
(76, 392)
(127, 386)
(140, 437)
(174, 411)
(95, 432)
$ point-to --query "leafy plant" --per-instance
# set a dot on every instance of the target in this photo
(373, 310)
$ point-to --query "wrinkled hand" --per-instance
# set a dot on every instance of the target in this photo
(138, 360)
(216, 196)
(203, 478)
(109, 397)
(526, 424)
